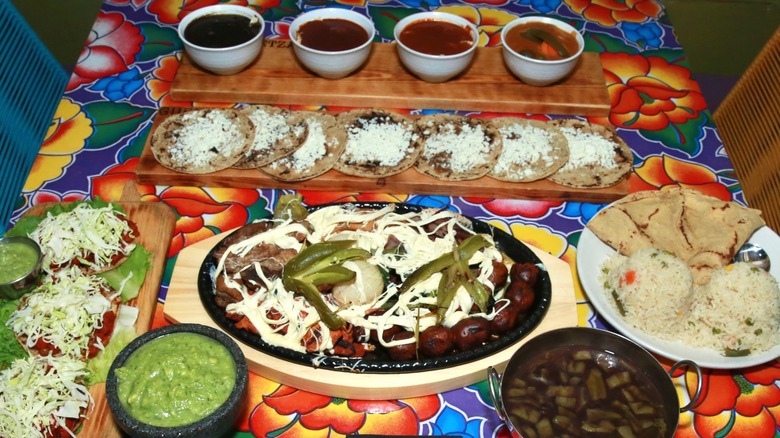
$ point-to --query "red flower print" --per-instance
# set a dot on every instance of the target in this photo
(110, 185)
(649, 92)
(202, 211)
(110, 48)
(289, 412)
(748, 402)
(661, 172)
(611, 12)
(172, 11)
(515, 207)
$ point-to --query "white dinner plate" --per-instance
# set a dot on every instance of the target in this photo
(591, 255)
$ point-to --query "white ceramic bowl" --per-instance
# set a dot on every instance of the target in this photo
(435, 68)
(228, 60)
(332, 65)
(535, 71)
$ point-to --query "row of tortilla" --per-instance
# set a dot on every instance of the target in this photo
(295, 145)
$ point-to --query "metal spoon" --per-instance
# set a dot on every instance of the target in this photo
(753, 254)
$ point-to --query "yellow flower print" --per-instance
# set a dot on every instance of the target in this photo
(66, 135)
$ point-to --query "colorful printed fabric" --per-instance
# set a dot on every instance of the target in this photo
(124, 75)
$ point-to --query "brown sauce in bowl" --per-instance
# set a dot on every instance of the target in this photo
(541, 41)
(332, 35)
(217, 31)
(436, 37)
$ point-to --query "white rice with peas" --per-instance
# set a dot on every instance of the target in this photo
(736, 313)
(651, 290)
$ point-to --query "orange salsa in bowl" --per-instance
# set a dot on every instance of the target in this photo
(544, 41)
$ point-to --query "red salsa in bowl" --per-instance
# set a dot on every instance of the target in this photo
(436, 37)
(332, 34)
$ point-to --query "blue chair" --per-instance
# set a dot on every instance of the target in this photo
(31, 85)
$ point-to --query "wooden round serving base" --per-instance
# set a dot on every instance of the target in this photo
(183, 305)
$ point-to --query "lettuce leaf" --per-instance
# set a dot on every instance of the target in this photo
(9, 346)
(99, 365)
(134, 269)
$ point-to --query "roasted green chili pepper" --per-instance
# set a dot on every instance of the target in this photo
(477, 290)
(319, 264)
(314, 253)
(333, 259)
(290, 207)
(465, 249)
(314, 297)
(331, 275)
(448, 285)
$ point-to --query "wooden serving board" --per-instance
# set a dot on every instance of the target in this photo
(183, 305)
(149, 171)
(155, 226)
(277, 77)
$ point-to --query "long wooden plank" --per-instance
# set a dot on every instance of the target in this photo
(182, 305)
(149, 171)
(276, 77)
(155, 223)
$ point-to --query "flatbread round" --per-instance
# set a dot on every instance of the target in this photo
(702, 230)
(597, 156)
(202, 141)
(324, 144)
(533, 150)
(457, 148)
(379, 143)
(278, 133)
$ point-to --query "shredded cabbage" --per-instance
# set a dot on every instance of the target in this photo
(39, 392)
(64, 311)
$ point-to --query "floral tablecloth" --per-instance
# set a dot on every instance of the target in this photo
(124, 74)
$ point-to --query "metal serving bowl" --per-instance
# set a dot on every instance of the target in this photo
(601, 341)
(21, 285)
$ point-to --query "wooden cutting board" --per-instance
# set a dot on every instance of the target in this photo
(183, 305)
(277, 77)
(155, 226)
(149, 171)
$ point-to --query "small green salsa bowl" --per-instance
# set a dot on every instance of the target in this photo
(20, 266)
(180, 380)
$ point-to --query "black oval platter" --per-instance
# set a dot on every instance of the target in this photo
(505, 242)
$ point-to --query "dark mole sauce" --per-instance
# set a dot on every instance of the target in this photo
(436, 37)
(218, 31)
(332, 35)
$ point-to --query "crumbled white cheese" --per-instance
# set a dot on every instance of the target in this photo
(270, 128)
(524, 145)
(465, 145)
(380, 140)
(204, 136)
(311, 151)
(588, 149)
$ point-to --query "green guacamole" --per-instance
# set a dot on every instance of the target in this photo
(16, 260)
(176, 379)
